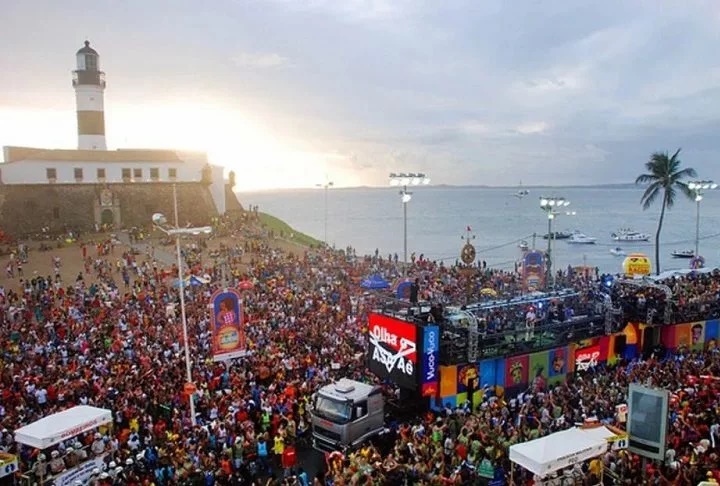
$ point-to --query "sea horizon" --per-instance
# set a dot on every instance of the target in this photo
(437, 217)
(619, 185)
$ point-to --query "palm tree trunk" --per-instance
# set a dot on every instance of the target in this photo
(657, 237)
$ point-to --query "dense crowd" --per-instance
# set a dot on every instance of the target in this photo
(112, 337)
(449, 448)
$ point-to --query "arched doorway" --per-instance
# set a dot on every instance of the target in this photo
(107, 216)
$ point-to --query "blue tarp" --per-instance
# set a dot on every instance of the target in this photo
(193, 281)
(375, 282)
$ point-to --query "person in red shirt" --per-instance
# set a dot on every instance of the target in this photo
(289, 459)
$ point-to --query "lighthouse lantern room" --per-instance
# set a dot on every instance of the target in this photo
(89, 84)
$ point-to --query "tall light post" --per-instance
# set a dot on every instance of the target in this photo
(327, 186)
(699, 188)
(160, 222)
(404, 180)
(551, 205)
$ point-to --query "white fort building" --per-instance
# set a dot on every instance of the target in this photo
(109, 176)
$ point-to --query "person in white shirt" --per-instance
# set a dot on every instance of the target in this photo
(530, 319)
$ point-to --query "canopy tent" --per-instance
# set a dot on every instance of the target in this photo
(557, 451)
(374, 282)
(60, 426)
(402, 288)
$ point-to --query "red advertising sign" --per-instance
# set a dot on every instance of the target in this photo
(392, 349)
(586, 358)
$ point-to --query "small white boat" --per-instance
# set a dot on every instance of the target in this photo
(521, 193)
(617, 251)
(524, 245)
(629, 235)
(578, 238)
(683, 253)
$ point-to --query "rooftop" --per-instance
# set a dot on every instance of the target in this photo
(17, 154)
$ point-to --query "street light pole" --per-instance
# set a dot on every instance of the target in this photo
(181, 286)
(550, 206)
(699, 187)
(159, 221)
(405, 180)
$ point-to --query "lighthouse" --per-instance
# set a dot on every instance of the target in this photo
(89, 84)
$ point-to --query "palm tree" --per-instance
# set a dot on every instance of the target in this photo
(664, 176)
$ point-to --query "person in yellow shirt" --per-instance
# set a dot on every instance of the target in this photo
(279, 445)
(596, 467)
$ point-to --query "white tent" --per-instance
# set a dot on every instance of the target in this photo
(61, 426)
(557, 451)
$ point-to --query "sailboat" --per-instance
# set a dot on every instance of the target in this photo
(521, 193)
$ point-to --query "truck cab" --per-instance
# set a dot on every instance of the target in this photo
(345, 414)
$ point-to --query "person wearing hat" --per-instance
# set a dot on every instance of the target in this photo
(98, 445)
(57, 465)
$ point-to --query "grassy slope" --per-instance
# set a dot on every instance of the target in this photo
(290, 234)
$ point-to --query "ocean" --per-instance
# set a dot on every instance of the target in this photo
(372, 218)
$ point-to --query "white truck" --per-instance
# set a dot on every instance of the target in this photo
(345, 414)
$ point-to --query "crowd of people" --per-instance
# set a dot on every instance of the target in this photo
(111, 336)
(450, 447)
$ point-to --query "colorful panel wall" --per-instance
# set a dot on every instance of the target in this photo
(512, 375)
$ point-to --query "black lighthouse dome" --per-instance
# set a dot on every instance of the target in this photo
(87, 49)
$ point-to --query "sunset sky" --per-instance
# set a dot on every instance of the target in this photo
(289, 92)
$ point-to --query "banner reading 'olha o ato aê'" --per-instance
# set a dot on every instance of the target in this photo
(228, 335)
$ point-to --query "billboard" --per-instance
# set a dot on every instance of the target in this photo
(647, 421)
(228, 335)
(587, 358)
(430, 361)
(392, 350)
(533, 270)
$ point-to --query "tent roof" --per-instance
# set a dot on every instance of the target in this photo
(60, 426)
(375, 281)
(556, 451)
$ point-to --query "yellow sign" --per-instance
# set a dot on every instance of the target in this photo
(8, 464)
(637, 265)
(618, 442)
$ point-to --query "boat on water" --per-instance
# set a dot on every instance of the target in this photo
(524, 246)
(629, 235)
(683, 253)
(617, 251)
(578, 238)
(558, 235)
(521, 193)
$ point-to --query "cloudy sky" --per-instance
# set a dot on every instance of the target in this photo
(286, 92)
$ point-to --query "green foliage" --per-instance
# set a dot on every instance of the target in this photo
(280, 227)
(664, 178)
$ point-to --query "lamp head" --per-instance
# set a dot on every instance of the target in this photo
(159, 219)
(406, 197)
(205, 230)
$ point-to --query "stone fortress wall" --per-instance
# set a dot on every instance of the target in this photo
(26, 209)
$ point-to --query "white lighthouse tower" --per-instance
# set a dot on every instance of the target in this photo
(89, 84)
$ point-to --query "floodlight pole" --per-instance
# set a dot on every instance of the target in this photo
(699, 188)
(405, 257)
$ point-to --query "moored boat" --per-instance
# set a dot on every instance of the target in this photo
(617, 251)
(683, 253)
(558, 235)
(578, 238)
(629, 235)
